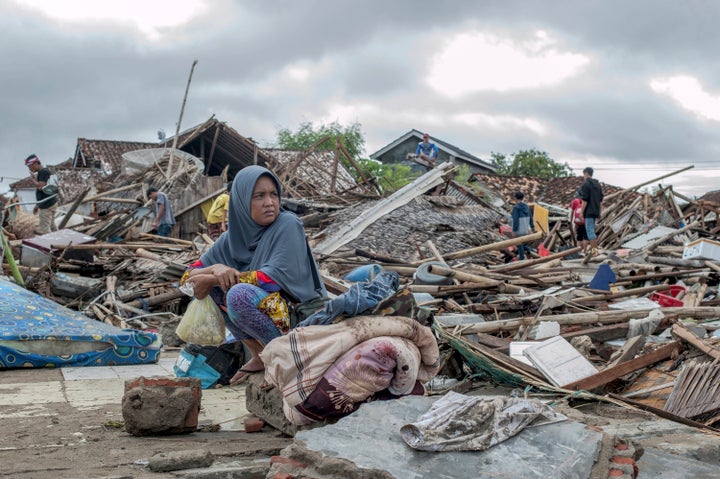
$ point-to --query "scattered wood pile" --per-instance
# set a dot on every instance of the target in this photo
(635, 324)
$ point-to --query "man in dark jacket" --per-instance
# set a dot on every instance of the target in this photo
(592, 196)
(46, 200)
(523, 223)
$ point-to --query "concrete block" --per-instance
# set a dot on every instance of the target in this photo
(161, 405)
(178, 460)
(367, 444)
(267, 405)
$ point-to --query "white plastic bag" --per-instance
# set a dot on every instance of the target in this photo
(202, 323)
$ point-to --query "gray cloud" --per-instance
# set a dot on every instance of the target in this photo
(63, 81)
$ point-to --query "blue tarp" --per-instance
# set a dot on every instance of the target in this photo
(36, 332)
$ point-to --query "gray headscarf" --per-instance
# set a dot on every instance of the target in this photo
(278, 250)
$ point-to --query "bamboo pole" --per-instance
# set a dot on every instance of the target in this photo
(622, 294)
(177, 130)
(116, 246)
(11, 260)
(111, 192)
(612, 195)
(668, 236)
(532, 262)
(157, 299)
(604, 317)
(486, 248)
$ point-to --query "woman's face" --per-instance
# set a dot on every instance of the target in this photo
(265, 202)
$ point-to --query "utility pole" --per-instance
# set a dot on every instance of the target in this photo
(177, 131)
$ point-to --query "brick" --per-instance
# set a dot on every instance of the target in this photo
(623, 460)
(625, 468)
(628, 452)
(617, 473)
(283, 475)
(621, 446)
(253, 424)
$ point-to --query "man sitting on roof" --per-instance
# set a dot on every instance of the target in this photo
(427, 151)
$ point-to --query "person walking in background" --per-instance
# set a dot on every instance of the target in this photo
(523, 222)
(46, 195)
(592, 196)
(218, 215)
(577, 222)
(164, 217)
(427, 151)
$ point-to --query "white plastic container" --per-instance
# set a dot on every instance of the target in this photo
(702, 249)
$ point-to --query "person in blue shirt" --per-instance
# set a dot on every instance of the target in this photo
(523, 223)
(427, 151)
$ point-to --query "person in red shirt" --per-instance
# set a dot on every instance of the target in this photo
(577, 222)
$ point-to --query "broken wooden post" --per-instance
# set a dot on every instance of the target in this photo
(486, 248)
(532, 262)
(590, 317)
(680, 331)
(622, 294)
(603, 377)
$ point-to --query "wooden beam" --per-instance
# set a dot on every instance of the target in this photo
(73, 208)
(681, 332)
(486, 248)
(603, 377)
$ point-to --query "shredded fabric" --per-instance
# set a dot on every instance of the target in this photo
(457, 422)
(645, 326)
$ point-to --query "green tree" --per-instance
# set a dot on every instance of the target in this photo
(530, 163)
(307, 135)
(391, 177)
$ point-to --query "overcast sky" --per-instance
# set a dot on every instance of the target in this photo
(631, 88)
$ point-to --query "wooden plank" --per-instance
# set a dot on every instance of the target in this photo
(603, 377)
(628, 351)
(680, 331)
(72, 209)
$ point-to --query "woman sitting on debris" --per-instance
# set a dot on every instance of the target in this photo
(259, 266)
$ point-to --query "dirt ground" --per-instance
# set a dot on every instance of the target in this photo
(60, 441)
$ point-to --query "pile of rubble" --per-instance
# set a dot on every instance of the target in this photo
(635, 325)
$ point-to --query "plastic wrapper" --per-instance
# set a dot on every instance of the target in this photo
(202, 323)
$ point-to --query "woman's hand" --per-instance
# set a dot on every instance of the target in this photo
(226, 276)
(202, 284)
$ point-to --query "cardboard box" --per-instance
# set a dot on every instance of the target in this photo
(702, 249)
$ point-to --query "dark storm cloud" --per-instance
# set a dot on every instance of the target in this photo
(62, 81)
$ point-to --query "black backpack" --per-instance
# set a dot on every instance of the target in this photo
(225, 359)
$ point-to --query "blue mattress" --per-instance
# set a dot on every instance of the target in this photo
(36, 332)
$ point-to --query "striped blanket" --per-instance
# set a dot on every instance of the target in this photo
(328, 371)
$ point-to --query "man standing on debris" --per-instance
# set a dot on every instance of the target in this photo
(523, 222)
(164, 217)
(577, 221)
(217, 217)
(592, 196)
(427, 151)
(45, 194)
